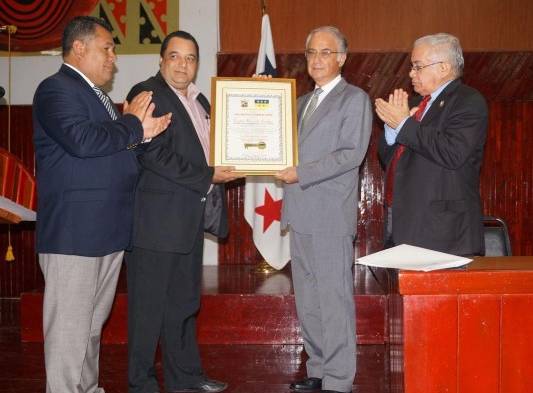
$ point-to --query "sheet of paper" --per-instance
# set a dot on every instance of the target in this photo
(409, 257)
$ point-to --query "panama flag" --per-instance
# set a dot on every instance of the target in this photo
(262, 196)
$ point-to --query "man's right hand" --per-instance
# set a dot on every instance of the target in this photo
(153, 126)
(142, 108)
(224, 174)
(394, 111)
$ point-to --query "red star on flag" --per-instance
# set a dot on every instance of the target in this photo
(271, 210)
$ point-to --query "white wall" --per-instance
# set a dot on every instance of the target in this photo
(200, 18)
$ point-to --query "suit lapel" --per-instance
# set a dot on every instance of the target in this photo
(183, 115)
(322, 110)
(69, 71)
(172, 97)
(439, 104)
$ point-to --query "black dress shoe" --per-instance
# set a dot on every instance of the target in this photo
(333, 391)
(306, 385)
(205, 385)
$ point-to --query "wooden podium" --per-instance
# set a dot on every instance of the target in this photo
(17, 190)
(463, 330)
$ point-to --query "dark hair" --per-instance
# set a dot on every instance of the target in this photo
(79, 28)
(179, 34)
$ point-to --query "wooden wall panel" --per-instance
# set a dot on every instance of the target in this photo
(386, 25)
(430, 343)
(478, 343)
(516, 364)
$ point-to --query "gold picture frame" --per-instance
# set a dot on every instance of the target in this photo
(253, 124)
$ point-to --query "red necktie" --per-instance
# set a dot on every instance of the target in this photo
(391, 169)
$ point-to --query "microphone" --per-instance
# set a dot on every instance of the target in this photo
(2, 92)
(11, 29)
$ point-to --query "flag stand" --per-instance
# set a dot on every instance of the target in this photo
(264, 268)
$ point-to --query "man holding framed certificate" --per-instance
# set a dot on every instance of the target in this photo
(175, 187)
(320, 205)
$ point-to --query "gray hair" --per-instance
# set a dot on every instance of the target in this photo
(447, 45)
(342, 43)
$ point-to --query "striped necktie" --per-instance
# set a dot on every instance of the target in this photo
(312, 105)
(107, 102)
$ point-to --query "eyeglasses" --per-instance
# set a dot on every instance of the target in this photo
(323, 54)
(418, 68)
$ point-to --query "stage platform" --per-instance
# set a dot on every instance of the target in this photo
(247, 368)
(240, 305)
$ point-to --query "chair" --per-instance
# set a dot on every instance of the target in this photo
(497, 241)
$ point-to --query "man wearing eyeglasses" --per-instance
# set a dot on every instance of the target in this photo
(320, 205)
(432, 151)
(165, 264)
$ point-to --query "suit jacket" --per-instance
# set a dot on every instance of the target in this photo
(331, 147)
(175, 178)
(436, 201)
(85, 175)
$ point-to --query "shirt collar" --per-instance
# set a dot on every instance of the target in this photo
(439, 90)
(329, 86)
(81, 74)
(192, 91)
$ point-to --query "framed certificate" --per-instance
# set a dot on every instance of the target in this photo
(253, 124)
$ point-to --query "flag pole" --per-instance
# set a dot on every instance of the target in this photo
(264, 268)
(270, 243)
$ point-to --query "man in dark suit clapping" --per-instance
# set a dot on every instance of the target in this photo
(86, 174)
(432, 148)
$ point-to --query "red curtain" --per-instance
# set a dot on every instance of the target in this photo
(39, 23)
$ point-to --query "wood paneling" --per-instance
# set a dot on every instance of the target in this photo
(468, 330)
(239, 306)
(517, 346)
(479, 343)
(385, 25)
(430, 343)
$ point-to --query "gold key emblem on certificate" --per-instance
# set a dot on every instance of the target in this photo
(259, 145)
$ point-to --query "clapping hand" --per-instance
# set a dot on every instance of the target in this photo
(142, 107)
(395, 110)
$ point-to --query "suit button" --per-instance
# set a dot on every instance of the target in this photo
(203, 199)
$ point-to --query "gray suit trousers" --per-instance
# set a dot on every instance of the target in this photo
(79, 293)
(323, 287)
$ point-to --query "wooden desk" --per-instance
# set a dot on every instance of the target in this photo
(466, 330)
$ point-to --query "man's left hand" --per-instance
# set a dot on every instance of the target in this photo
(288, 175)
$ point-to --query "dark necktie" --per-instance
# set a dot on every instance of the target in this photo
(312, 106)
(106, 101)
(389, 176)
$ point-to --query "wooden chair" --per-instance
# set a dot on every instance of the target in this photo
(497, 241)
